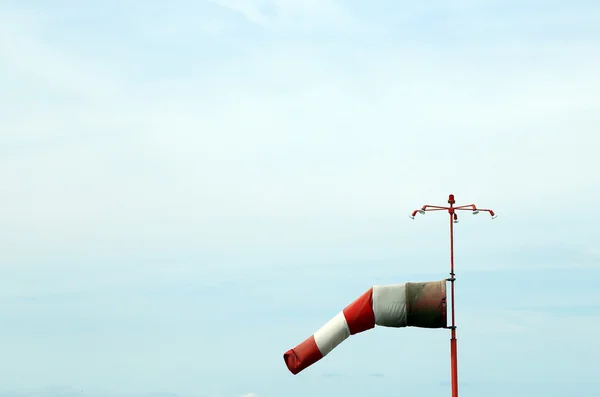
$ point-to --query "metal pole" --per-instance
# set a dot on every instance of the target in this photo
(453, 347)
(452, 212)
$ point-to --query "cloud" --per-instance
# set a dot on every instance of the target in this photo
(163, 156)
(280, 149)
(66, 391)
(25, 51)
(332, 374)
(249, 9)
(294, 15)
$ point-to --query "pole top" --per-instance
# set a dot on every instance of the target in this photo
(451, 199)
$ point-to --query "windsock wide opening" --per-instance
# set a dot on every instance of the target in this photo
(426, 304)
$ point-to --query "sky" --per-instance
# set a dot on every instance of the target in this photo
(190, 190)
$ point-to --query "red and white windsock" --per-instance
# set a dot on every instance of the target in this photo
(400, 305)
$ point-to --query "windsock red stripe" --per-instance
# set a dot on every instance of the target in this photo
(302, 356)
(359, 314)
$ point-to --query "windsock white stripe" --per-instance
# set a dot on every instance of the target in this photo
(332, 334)
(389, 305)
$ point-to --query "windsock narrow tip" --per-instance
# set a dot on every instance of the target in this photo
(292, 362)
(302, 356)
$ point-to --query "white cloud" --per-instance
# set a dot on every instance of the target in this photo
(181, 146)
(282, 138)
(248, 8)
(31, 60)
(292, 15)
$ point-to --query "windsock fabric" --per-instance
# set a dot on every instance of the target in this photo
(400, 305)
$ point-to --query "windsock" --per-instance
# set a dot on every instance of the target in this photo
(400, 305)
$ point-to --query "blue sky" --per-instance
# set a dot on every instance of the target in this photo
(190, 190)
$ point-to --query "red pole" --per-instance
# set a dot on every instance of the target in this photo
(452, 211)
(453, 348)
